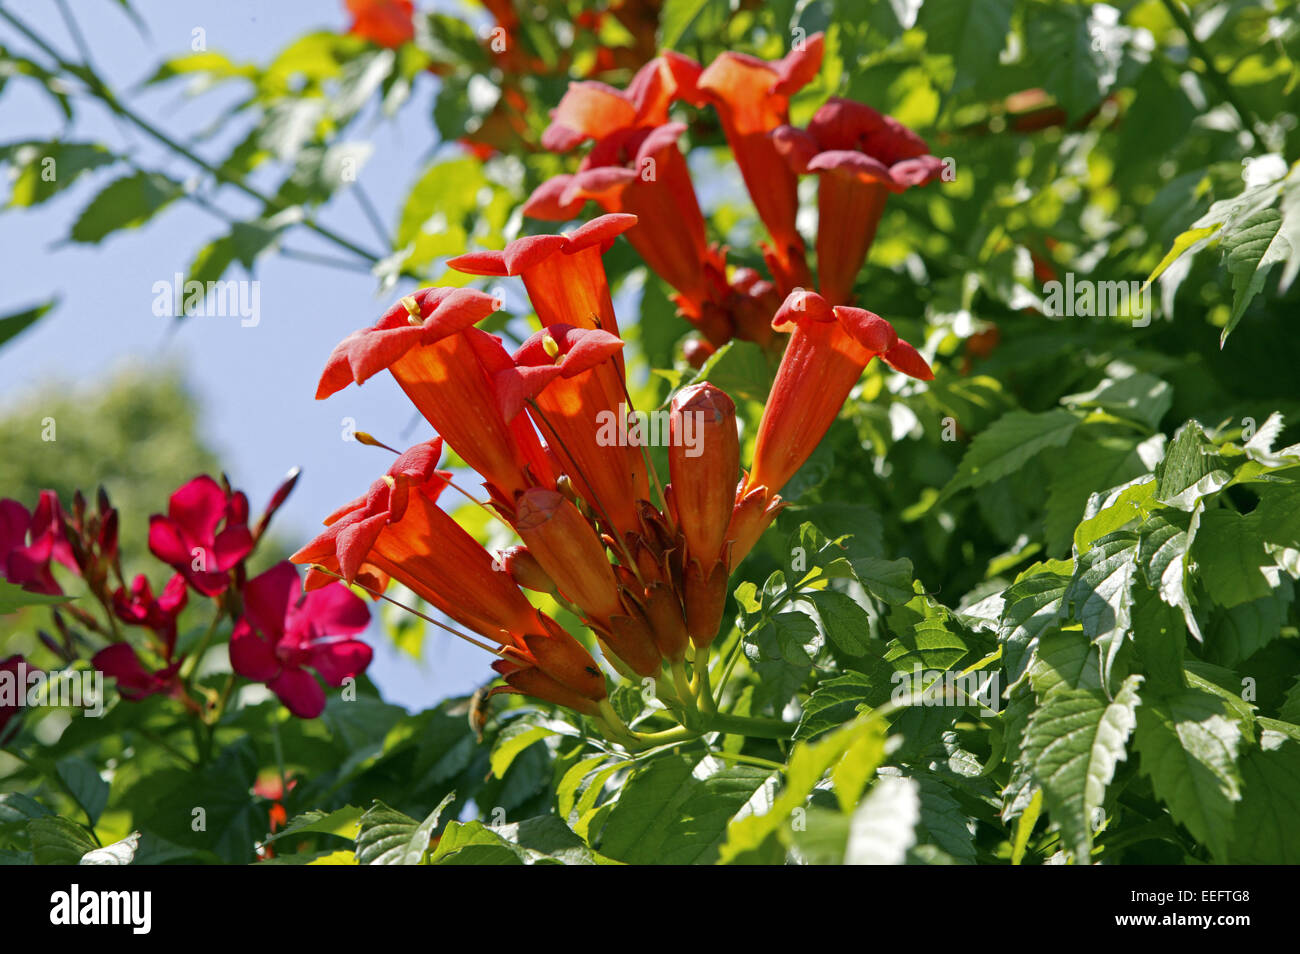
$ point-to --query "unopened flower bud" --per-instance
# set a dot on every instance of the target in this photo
(704, 461)
(568, 549)
(525, 570)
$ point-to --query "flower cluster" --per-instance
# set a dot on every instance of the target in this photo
(205, 538)
(635, 165)
(644, 565)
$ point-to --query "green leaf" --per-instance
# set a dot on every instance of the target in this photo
(14, 598)
(542, 840)
(243, 243)
(779, 653)
(843, 621)
(683, 21)
(118, 853)
(343, 822)
(1030, 606)
(1087, 464)
(1191, 469)
(973, 32)
(125, 204)
(1012, 441)
(1100, 594)
(83, 782)
(512, 741)
(1163, 543)
(1072, 744)
(1250, 251)
(675, 809)
(1182, 244)
(1139, 397)
(1114, 510)
(1188, 747)
(861, 741)
(387, 837)
(1230, 555)
(1062, 47)
(883, 827)
(1065, 658)
(58, 841)
(1265, 832)
(887, 580)
(1236, 634)
(838, 700)
(43, 169)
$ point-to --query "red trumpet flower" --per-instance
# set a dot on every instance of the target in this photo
(828, 350)
(752, 98)
(446, 367)
(383, 22)
(399, 531)
(635, 166)
(566, 379)
(284, 631)
(188, 538)
(860, 157)
(563, 274)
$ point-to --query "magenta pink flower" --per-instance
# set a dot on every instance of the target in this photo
(29, 541)
(141, 608)
(134, 681)
(204, 535)
(283, 631)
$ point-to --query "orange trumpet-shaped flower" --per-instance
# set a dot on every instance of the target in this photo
(636, 167)
(384, 22)
(446, 367)
(860, 157)
(563, 274)
(752, 98)
(399, 530)
(828, 350)
(573, 391)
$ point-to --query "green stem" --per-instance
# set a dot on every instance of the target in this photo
(757, 728)
(1184, 22)
(106, 95)
(702, 687)
(749, 760)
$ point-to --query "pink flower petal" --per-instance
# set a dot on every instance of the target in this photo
(300, 692)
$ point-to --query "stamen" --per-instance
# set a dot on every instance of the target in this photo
(370, 440)
(413, 611)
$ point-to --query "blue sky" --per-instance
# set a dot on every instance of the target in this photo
(254, 384)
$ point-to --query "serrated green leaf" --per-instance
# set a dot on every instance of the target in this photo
(118, 853)
(1188, 748)
(125, 204)
(1072, 744)
(387, 837)
(1030, 606)
(1012, 441)
(58, 841)
(675, 809)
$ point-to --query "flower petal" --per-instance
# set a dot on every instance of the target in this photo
(300, 692)
(269, 597)
(252, 656)
(197, 507)
(342, 660)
